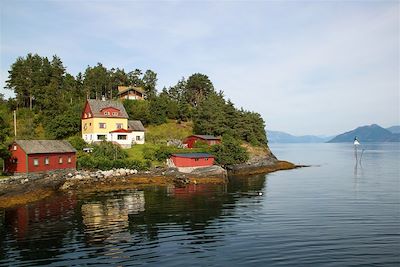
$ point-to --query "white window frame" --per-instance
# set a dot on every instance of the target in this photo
(36, 162)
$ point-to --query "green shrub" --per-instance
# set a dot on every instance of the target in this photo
(77, 142)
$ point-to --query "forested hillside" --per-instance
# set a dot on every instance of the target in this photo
(49, 102)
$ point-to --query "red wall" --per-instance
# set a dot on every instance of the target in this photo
(20, 166)
(192, 162)
(53, 162)
(191, 140)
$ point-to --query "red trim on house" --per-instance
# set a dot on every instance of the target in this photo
(121, 131)
(87, 110)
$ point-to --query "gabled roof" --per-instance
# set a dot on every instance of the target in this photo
(206, 137)
(45, 146)
(97, 105)
(130, 88)
(135, 126)
(193, 155)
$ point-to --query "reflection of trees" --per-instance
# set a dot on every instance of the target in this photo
(103, 220)
(246, 183)
(38, 228)
(193, 207)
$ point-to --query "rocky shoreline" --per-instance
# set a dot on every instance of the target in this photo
(18, 190)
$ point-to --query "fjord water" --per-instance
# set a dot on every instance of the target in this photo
(335, 213)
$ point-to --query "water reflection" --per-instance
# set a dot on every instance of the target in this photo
(99, 224)
(109, 216)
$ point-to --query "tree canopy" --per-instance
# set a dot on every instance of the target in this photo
(49, 101)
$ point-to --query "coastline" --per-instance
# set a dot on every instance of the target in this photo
(23, 190)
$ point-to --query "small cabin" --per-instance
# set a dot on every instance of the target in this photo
(34, 156)
(190, 141)
(130, 92)
(192, 160)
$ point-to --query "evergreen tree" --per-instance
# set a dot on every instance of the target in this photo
(198, 87)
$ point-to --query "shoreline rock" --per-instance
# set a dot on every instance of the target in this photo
(19, 190)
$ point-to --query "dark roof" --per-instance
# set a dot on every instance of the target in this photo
(45, 146)
(135, 126)
(206, 137)
(193, 155)
(97, 105)
(137, 89)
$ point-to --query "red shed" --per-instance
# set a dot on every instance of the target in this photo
(193, 160)
(208, 139)
(32, 156)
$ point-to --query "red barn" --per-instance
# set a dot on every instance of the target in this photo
(208, 139)
(193, 160)
(32, 156)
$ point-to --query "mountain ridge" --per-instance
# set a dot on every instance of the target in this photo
(367, 133)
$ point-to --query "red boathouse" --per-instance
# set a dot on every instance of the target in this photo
(208, 139)
(192, 160)
(33, 156)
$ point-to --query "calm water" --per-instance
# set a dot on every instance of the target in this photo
(335, 213)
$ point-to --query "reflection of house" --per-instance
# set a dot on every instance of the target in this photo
(31, 156)
(192, 160)
(208, 139)
(130, 92)
(102, 219)
(108, 120)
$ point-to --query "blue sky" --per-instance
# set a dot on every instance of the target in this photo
(308, 67)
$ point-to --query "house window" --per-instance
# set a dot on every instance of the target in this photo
(196, 159)
(15, 147)
(85, 126)
(121, 137)
(14, 160)
(35, 162)
(46, 161)
(102, 125)
(115, 113)
(107, 113)
(101, 137)
(90, 124)
(69, 160)
(60, 160)
(90, 115)
(138, 138)
(119, 125)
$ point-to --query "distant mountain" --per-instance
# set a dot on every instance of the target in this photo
(370, 133)
(394, 129)
(282, 137)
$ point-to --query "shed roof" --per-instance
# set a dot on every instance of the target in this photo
(45, 146)
(97, 105)
(135, 126)
(206, 137)
(193, 155)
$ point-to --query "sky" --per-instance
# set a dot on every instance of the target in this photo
(308, 67)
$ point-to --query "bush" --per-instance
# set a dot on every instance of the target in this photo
(109, 151)
(89, 162)
(229, 152)
(77, 142)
